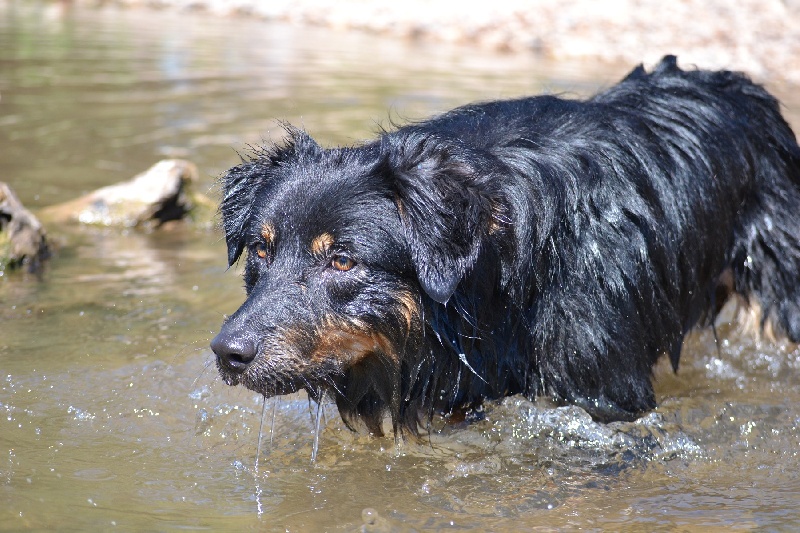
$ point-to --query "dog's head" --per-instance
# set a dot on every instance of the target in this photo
(343, 251)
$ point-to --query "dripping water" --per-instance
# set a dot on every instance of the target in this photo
(260, 509)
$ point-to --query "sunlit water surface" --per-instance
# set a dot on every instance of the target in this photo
(111, 412)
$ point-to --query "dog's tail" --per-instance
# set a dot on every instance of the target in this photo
(765, 257)
(765, 260)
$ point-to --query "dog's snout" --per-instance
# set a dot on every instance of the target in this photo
(234, 352)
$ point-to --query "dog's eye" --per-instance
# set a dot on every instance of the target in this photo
(342, 262)
(261, 250)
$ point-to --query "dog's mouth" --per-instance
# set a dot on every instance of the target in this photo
(268, 387)
(317, 369)
(266, 377)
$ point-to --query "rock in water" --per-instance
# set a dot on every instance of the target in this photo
(156, 196)
(22, 236)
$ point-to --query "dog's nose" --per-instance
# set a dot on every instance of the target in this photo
(233, 352)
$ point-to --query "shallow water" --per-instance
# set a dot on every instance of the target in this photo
(112, 413)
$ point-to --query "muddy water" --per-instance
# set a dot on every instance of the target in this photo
(111, 414)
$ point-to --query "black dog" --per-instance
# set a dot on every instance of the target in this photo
(539, 246)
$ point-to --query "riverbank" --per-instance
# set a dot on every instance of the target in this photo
(761, 37)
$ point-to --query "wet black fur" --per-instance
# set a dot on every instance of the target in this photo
(555, 247)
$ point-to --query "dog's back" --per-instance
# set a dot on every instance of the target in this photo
(635, 214)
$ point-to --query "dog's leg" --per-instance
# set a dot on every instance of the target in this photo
(596, 355)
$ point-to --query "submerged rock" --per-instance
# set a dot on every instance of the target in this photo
(22, 236)
(375, 523)
(160, 194)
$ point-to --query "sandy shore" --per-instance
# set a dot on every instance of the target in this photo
(761, 37)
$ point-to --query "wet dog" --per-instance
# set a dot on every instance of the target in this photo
(540, 246)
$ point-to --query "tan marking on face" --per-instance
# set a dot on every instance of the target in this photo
(349, 345)
(409, 308)
(321, 244)
(268, 232)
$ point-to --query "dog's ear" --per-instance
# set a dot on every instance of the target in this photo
(242, 183)
(448, 204)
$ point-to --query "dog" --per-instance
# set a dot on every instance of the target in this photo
(539, 246)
